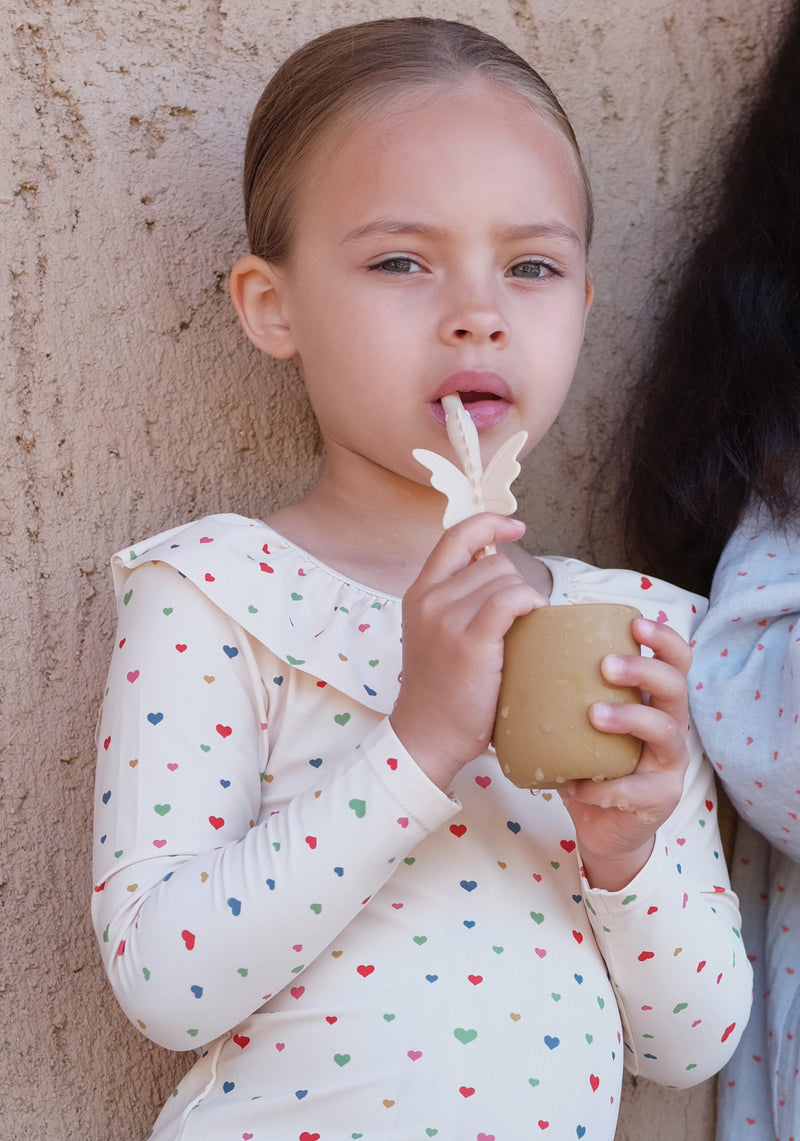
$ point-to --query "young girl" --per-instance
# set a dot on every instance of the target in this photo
(308, 863)
(724, 483)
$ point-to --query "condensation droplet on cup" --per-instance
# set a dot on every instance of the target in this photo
(546, 726)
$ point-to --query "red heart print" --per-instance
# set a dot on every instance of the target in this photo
(392, 763)
(466, 1091)
(577, 936)
(266, 568)
(365, 970)
(205, 539)
(241, 1040)
(568, 845)
(106, 743)
(728, 1031)
(216, 822)
(645, 955)
(363, 627)
(646, 583)
(544, 1125)
(297, 991)
(331, 1018)
(210, 577)
(483, 782)
(180, 647)
(312, 842)
(594, 1082)
(188, 939)
(458, 829)
(309, 1136)
(132, 676)
(224, 730)
(475, 979)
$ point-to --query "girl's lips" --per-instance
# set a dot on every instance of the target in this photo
(485, 395)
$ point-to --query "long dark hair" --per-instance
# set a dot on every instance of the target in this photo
(714, 420)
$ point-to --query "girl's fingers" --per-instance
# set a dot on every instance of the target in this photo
(665, 684)
(659, 730)
(651, 797)
(460, 544)
(667, 644)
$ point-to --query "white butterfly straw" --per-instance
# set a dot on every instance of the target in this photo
(472, 490)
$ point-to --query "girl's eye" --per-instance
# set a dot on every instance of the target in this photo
(532, 270)
(400, 264)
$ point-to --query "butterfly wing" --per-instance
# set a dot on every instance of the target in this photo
(452, 483)
(500, 474)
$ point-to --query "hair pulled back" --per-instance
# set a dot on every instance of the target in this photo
(716, 414)
(348, 71)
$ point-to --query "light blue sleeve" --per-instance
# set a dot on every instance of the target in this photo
(745, 682)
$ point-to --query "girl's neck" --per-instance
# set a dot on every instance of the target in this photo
(377, 527)
(373, 525)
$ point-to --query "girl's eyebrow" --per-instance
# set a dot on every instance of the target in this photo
(421, 229)
(540, 230)
(391, 226)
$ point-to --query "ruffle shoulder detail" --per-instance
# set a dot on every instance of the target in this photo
(660, 601)
(307, 614)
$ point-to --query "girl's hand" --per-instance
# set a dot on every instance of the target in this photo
(454, 618)
(616, 821)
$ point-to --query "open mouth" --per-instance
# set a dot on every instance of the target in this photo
(476, 397)
(485, 409)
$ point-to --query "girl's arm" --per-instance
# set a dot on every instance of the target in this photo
(745, 681)
(201, 911)
(671, 940)
(668, 926)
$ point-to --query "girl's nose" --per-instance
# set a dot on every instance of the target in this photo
(476, 322)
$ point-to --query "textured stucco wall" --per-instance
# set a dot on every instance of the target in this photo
(131, 402)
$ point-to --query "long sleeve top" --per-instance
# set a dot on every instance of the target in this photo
(353, 952)
(745, 694)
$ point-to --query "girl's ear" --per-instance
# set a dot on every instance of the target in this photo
(589, 294)
(257, 295)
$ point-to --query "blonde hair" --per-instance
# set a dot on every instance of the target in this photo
(348, 70)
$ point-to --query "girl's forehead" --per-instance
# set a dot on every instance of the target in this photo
(411, 114)
(407, 132)
(394, 107)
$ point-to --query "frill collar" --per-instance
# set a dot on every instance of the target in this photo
(313, 618)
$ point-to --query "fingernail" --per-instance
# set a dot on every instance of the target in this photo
(613, 665)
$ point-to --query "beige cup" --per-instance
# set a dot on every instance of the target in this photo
(551, 675)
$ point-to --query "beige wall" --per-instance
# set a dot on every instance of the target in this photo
(132, 402)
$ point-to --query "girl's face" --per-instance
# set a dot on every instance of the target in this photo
(439, 247)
